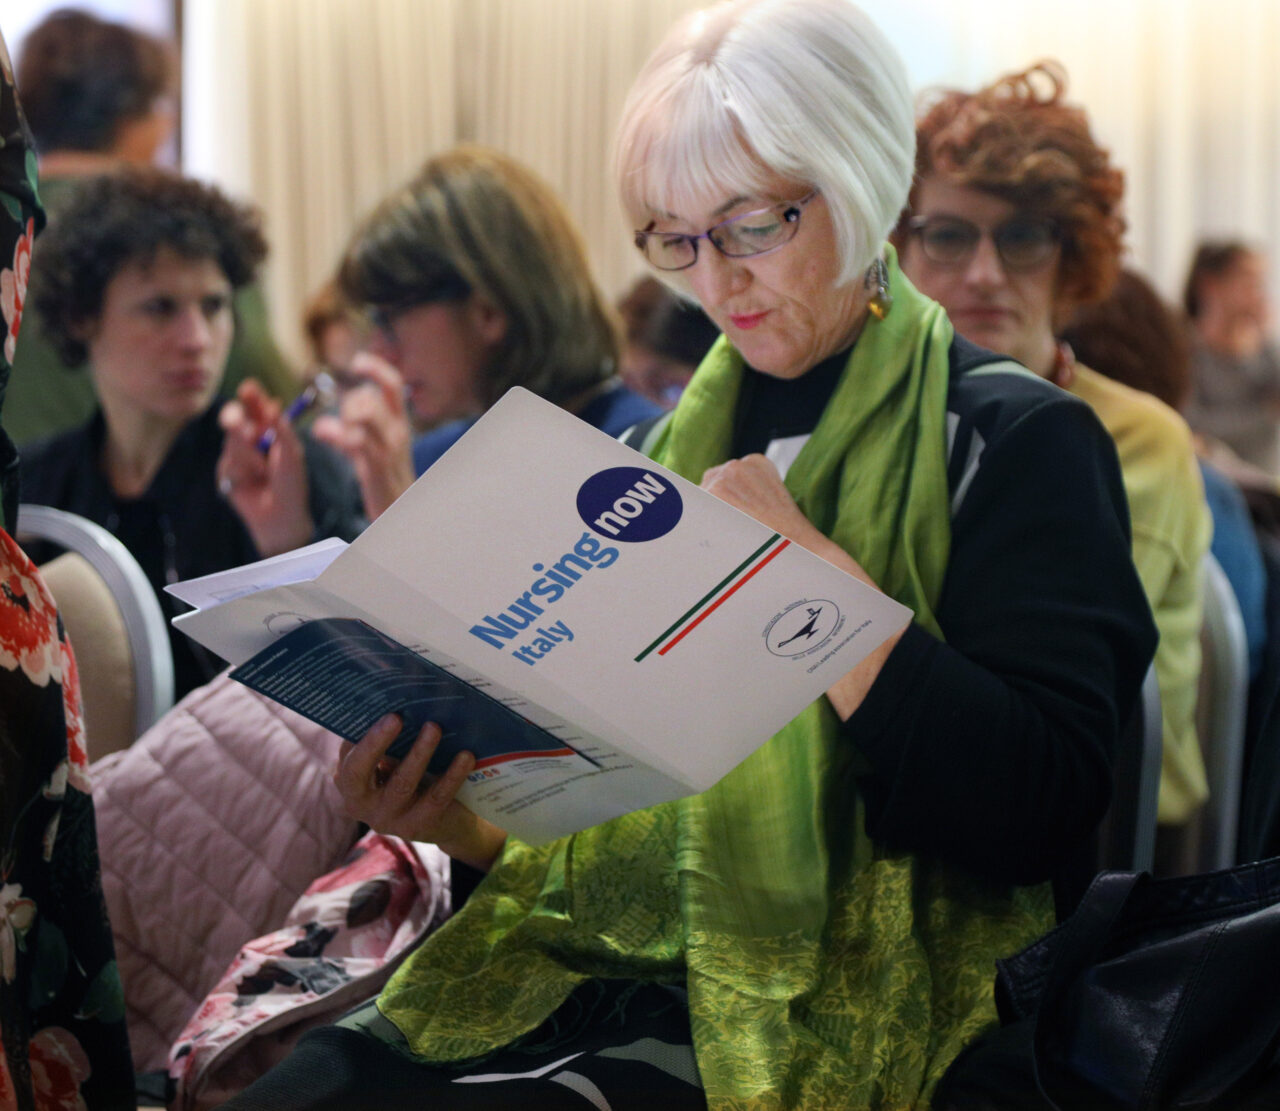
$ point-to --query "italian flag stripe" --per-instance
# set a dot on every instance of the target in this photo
(716, 596)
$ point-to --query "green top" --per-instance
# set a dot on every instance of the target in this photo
(1172, 528)
(47, 397)
(821, 970)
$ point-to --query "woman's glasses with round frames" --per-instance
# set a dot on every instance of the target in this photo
(1022, 242)
(744, 236)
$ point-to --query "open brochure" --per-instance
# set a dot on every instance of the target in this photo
(600, 633)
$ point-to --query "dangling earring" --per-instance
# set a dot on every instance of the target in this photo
(1063, 372)
(878, 279)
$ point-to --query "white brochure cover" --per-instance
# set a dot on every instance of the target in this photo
(659, 633)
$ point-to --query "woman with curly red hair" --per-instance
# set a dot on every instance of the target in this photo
(1013, 222)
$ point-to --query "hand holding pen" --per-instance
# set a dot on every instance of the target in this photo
(320, 392)
(268, 490)
(372, 429)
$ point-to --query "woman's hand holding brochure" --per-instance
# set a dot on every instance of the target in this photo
(401, 799)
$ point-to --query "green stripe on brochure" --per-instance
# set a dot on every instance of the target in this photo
(709, 595)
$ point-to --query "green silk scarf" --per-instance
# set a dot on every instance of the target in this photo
(822, 971)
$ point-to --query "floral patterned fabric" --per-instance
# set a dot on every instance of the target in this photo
(63, 1045)
(339, 944)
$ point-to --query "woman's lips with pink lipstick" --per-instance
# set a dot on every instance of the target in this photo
(747, 321)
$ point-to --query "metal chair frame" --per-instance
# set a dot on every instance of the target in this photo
(143, 618)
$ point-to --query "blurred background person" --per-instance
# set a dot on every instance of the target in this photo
(63, 1041)
(334, 331)
(1235, 368)
(1013, 223)
(665, 337)
(100, 96)
(135, 281)
(1135, 338)
(475, 280)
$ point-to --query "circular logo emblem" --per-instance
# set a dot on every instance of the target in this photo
(629, 504)
(802, 627)
(284, 622)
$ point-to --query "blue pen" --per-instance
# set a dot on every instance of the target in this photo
(321, 387)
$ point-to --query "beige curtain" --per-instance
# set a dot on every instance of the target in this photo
(315, 108)
(545, 81)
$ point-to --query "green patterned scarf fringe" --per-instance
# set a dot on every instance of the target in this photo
(821, 971)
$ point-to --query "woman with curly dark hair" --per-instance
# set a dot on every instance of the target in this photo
(136, 277)
(100, 96)
(1013, 222)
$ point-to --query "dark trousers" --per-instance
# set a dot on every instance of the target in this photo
(625, 1047)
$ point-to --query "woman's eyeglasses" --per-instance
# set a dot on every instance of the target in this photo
(1022, 242)
(752, 233)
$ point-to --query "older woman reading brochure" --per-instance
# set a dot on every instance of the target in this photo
(820, 928)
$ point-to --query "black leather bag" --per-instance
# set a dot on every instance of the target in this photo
(1158, 995)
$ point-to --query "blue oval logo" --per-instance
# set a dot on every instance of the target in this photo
(629, 504)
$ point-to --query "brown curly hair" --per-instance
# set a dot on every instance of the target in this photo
(116, 219)
(1133, 336)
(1018, 140)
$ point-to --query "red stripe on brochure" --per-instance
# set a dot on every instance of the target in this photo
(507, 757)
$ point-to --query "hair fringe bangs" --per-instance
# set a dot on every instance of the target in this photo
(685, 150)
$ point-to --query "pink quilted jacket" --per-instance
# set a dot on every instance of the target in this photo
(210, 827)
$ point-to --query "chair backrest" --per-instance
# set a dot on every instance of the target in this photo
(1127, 838)
(98, 620)
(1220, 716)
(104, 655)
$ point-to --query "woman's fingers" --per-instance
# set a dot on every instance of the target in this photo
(753, 485)
(356, 772)
(401, 800)
(445, 788)
(399, 797)
(381, 374)
(428, 814)
(405, 781)
(260, 407)
(386, 789)
(374, 434)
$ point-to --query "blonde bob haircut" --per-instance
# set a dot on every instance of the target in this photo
(746, 90)
(474, 222)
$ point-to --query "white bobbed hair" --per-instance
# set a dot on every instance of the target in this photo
(808, 90)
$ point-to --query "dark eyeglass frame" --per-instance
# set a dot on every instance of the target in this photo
(918, 226)
(382, 318)
(446, 286)
(789, 211)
